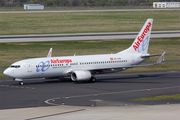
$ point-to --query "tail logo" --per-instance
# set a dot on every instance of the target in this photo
(140, 38)
(144, 44)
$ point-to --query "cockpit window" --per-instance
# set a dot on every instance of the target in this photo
(15, 66)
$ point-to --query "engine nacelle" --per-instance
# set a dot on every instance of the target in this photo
(80, 75)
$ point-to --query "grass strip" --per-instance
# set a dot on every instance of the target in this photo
(85, 22)
(12, 52)
(162, 97)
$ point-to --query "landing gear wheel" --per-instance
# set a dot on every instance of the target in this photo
(21, 83)
(93, 79)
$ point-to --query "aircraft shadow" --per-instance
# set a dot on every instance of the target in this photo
(127, 79)
(118, 79)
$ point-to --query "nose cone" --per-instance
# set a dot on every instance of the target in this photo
(7, 72)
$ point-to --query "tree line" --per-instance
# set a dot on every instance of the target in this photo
(77, 3)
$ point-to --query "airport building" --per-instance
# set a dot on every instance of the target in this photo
(166, 4)
(33, 6)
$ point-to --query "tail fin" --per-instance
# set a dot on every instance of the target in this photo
(49, 53)
(141, 43)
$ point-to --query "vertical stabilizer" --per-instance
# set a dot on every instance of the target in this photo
(141, 43)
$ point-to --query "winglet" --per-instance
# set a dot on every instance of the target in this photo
(49, 53)
(160, 59)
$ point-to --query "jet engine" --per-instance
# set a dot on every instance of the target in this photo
(80, 75)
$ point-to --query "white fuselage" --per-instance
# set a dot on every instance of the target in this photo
(61, 66)
(84, 67)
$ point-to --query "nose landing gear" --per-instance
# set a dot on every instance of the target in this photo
(21, 83)
(19, 80)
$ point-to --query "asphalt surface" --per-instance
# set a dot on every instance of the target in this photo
(110, 90)
(83, 36)
(44, 11)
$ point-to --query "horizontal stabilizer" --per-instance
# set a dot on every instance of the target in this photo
(156, 63)
(160, 59)
(145, 56)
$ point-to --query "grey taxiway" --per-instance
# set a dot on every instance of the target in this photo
(108, 98)
(115, 89)
(84, 36)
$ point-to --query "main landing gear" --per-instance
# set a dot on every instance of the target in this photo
(93, 79)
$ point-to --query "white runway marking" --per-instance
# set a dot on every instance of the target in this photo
(108, 93)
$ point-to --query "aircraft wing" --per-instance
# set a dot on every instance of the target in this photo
(156, 63)
(108, 70)
(99, 70)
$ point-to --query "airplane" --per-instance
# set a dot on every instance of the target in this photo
(85, 67)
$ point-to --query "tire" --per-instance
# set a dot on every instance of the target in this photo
(21, 83)
(93, 79)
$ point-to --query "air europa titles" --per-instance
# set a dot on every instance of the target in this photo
(141, 37)
(61, 61)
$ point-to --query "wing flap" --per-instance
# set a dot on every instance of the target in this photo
(113, 69)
